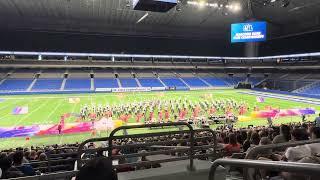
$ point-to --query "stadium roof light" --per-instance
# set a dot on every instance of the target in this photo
(62, 54)
(142, 18)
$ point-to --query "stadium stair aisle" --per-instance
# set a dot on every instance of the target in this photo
(173, 82)
(63, 84)
(92, 84)
(208, 84)
(194, 82)
(138, 82)
(119, 83)
(32, 84)
(161, 82)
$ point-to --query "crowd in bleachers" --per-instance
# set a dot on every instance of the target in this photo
(232, 143)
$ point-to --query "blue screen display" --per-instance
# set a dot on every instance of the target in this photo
(248, 32)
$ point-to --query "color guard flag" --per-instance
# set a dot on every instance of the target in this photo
(260, 99)
(20, 110)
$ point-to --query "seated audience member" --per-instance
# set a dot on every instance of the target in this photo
(17, 159)
(254, 141)
(233, 146)
(317, 121)
(284, 135)
(7, 171)
(97, 169)
(33, 155)
(294, 154)
(246, 143)
(314, 134)
(144, 159)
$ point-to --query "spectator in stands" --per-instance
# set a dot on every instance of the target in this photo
(254, 140)
(144, 159)
(314, 134)
(33, 155)
(246, 143)
(17, 159)
(233, 146)
(317, 121)
(97, 169)
(7, 171)
(284, 135)
(294, 154)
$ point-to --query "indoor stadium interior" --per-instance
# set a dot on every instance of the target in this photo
(160, 89)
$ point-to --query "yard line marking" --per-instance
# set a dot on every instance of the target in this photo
(53, 111)
(287, 98)
(62, 135)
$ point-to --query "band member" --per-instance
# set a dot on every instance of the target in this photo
(138, 117)
(151, 116)
(160, 118)
(167, 115)
(59, 128)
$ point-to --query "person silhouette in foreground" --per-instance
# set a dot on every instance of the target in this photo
(97, 169)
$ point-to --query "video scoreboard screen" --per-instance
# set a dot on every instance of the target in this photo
(249, 32)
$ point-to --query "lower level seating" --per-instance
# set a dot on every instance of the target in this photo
(78, 84)
(173, 82)
(194, 82)
(47, 84)
(128, 82)
(105, 83)
(218, 82)
(150, 82)
(15, 84)
(314, 90)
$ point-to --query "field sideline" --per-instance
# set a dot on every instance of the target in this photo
(47, 109)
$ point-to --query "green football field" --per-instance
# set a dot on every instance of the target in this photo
(47, 109)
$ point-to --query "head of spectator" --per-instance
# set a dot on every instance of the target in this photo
(17, 158)
(285, 132)
(315, 132)
(43, 157)
(27, 155)
(233, 146)
(33, 155)
(233, 139)
(3, 155)
(255, 138)
(97, 169)
(299, 134)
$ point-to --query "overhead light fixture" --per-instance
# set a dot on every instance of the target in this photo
(142, 18)
(285, 3)
(202, 3)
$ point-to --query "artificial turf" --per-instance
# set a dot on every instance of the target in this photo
(47, 109)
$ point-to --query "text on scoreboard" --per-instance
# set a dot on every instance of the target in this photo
(249, 32)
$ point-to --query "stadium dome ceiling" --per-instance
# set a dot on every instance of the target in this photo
(114, 17)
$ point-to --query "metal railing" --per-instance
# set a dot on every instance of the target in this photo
(166, 146)
(252, 154)
(189, 151)
(52, 176)
(303, 168)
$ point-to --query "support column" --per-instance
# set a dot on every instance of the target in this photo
(251, 49)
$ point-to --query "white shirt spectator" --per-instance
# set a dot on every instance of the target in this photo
(294, 154)
(315, 148)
